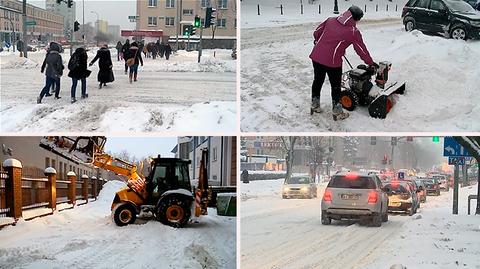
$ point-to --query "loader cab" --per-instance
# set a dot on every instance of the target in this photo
(167, 174)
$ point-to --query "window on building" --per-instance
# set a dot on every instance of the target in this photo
(47, 162)
(205, 3)
(170, 3)
(152, 21)
(152, 3)
(60, 168)
(65, 170)
(53, 164)
(169, 21)
(222, 23)
(188, 12)
(222, 4)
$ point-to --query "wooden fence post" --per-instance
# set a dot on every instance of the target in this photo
(85, 188)
(51, 174)
(72, 187)
(13, 187)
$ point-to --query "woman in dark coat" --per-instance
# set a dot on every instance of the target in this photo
(136, 53)
(168, 51)
(119, 50)
(105, 74)
(78, 71)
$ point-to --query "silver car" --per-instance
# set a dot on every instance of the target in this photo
(299, 186)
(355, 196)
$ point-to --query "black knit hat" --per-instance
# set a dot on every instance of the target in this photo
(357, 13)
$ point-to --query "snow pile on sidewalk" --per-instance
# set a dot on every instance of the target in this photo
(86, 237)
(437, 240)
(18, 63)
(270, 13)
(262, 188)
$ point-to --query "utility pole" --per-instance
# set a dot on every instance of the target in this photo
(24, 22)
(84, 32)
(200, 44)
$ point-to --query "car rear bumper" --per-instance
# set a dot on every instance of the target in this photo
(296, 194)
(347, 213)
(402, 206)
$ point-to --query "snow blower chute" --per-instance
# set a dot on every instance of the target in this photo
(357, 89)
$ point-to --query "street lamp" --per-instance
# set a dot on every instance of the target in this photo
(98, 23)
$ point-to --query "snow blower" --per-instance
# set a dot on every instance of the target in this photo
(358, 90)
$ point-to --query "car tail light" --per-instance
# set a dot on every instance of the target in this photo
(351, 176)
(327, 196)
(372, 197)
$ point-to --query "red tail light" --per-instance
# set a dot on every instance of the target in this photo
(372, 197)
(327, 196)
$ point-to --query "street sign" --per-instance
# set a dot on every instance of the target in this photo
(133, 17)
(452, 149)
(7, 45)
(401, 175)
(456, 160)
(31, 23)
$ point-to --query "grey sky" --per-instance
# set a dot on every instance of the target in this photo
(116, 12)
(142, 146)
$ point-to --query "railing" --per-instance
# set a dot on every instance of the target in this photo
(4, 210)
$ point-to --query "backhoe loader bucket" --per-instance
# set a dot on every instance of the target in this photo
(76, 149)
(385, 100)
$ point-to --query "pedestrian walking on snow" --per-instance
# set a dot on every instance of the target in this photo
(54, 70)
(125, 53)
(332, 38)
(119, 50)
(168, 51)
(78, 71)
(105, 74)
(135, 58)
(161, 49)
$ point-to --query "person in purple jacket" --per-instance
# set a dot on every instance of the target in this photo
(332, 38)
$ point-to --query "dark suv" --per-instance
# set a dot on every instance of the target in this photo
(451, 18)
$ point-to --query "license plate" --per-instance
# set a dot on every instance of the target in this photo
(349, 196)
(394, 204)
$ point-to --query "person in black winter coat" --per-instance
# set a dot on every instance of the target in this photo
(54, 70)
(168, 51)
(125, 53)
(105, 74)
(78, 71)
(161, 49)
(136, 54)
(119, 50)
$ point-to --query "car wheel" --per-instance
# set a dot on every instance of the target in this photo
(326, 220)
(385, 216)
(376, 220)
(409, 24)
(458, 32)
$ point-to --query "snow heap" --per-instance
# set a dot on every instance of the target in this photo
(19, 63)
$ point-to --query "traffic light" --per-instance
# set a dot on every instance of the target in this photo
(189, 30)
(210, 17)
(436, 139)
(197, 23)
(193, 30)
(69, 3)
(76, 26)
(373, 140)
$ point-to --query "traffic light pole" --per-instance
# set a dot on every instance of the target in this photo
(200, 44)
(24, 22)
(455, 189)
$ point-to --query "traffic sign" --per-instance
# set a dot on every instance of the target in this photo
(456, 160)
(7, 44)
(30, 23)
(133, 17)
(451, 148)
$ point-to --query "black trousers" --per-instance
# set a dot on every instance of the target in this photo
(335, 77)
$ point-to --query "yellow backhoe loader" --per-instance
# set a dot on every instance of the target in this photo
(166, 190)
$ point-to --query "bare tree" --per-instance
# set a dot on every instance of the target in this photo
(472, 144)
(288, 145)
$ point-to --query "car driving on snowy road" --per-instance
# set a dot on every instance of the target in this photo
(451, 18)
(353, 195)
(299, 186)
(432, 186)
(401, 197)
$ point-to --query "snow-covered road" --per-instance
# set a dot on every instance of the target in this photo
(441, 75)
(280, 233)
(86, 237)
(167, 95)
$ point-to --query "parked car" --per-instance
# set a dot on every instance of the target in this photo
(351, 195)
(451, 18)
(299, 186)
(432, 186)
(443, 181)
(401, 197)
(422, 194)
(474, 3)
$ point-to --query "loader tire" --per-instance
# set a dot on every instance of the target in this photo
(349, 100)
(174, 211)
(124, 214)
